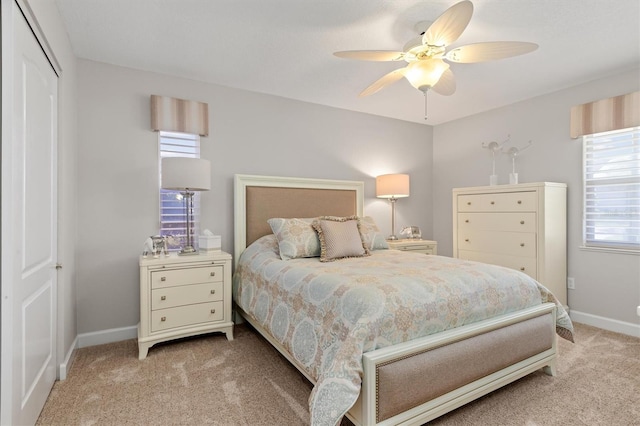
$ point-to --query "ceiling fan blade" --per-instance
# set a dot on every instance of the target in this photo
(371, 55)
(449, 26)
(385, 80)
(446, 86)
(489, 51)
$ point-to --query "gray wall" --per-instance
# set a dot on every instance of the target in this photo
(250, 133)
(253, 133)
(607, 284)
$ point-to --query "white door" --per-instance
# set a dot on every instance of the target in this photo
(29, 237)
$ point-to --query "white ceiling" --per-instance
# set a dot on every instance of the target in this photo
(284, 47)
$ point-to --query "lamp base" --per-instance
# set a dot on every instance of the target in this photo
(186, 251)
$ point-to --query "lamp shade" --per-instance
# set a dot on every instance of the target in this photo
(392, 186)
(182, 173)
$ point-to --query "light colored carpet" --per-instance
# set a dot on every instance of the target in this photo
(210, 381)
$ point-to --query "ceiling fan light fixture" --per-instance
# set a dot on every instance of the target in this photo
(423, 75)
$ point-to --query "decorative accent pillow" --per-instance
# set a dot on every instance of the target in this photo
(339, 238)
(296, 237)
(371, 235)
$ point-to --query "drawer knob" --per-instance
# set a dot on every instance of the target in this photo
(163, 297)
(466, 221)
(493, 202)
(213, 292)
(519, 201)
(466, 240)
(468, 203)
(213, 274)
(522, 268)
(163, 319)
(213, 311)
(521, 244)
(522, 222)
(163, 278)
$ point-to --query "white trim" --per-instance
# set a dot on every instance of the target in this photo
(28, 14)
(63, 369)
(107, 336)
(606, 323)
(635, 252)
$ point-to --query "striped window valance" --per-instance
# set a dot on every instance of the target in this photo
(179, 115)
(615, 113)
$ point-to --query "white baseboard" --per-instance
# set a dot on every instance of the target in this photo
(107, 336)
(606, 323)
(63, 368)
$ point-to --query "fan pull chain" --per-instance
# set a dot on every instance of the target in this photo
(425, 106)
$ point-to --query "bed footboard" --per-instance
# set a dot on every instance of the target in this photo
(417, 381)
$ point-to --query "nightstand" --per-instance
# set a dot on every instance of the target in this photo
(184, 296)
(418, 246)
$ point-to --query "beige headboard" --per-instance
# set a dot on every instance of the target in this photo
(259, 198)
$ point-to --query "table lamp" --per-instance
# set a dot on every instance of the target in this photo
(392, 186)
(187, 175)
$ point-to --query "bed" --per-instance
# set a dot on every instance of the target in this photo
(380, 345)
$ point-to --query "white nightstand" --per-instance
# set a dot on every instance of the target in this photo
(184, 296)
(419, 246)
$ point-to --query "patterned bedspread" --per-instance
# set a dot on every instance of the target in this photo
(328, 314)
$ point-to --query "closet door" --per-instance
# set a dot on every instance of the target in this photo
(29, 221)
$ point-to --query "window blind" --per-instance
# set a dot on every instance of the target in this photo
(612, 189)
(173, 221)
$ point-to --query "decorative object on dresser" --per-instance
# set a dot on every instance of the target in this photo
(186, 175)
(513, 152)
(522, 226)
(494, 147)
(184, 296)
(415, 245)
(392, 186)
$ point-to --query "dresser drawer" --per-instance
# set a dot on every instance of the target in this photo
(175, 277)
(163, 319)
(498, 202)
(170, 297)
(527, 265)
(511, 243)
(511, 222)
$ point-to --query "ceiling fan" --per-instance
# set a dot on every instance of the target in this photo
(426, 54)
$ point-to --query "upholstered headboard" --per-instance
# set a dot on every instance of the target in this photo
(259, 198)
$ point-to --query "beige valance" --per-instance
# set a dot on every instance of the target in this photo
(615, 113)
(179, 115)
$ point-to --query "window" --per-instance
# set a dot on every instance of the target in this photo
(173, 220)
(611, 216)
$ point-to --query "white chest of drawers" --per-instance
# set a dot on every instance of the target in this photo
(184, 296)
(521, 226)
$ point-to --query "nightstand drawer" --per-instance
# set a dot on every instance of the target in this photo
(500, 202)
(423, 248)
(186, 315)
(416, 246)
(169, 297)
(186, 276)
